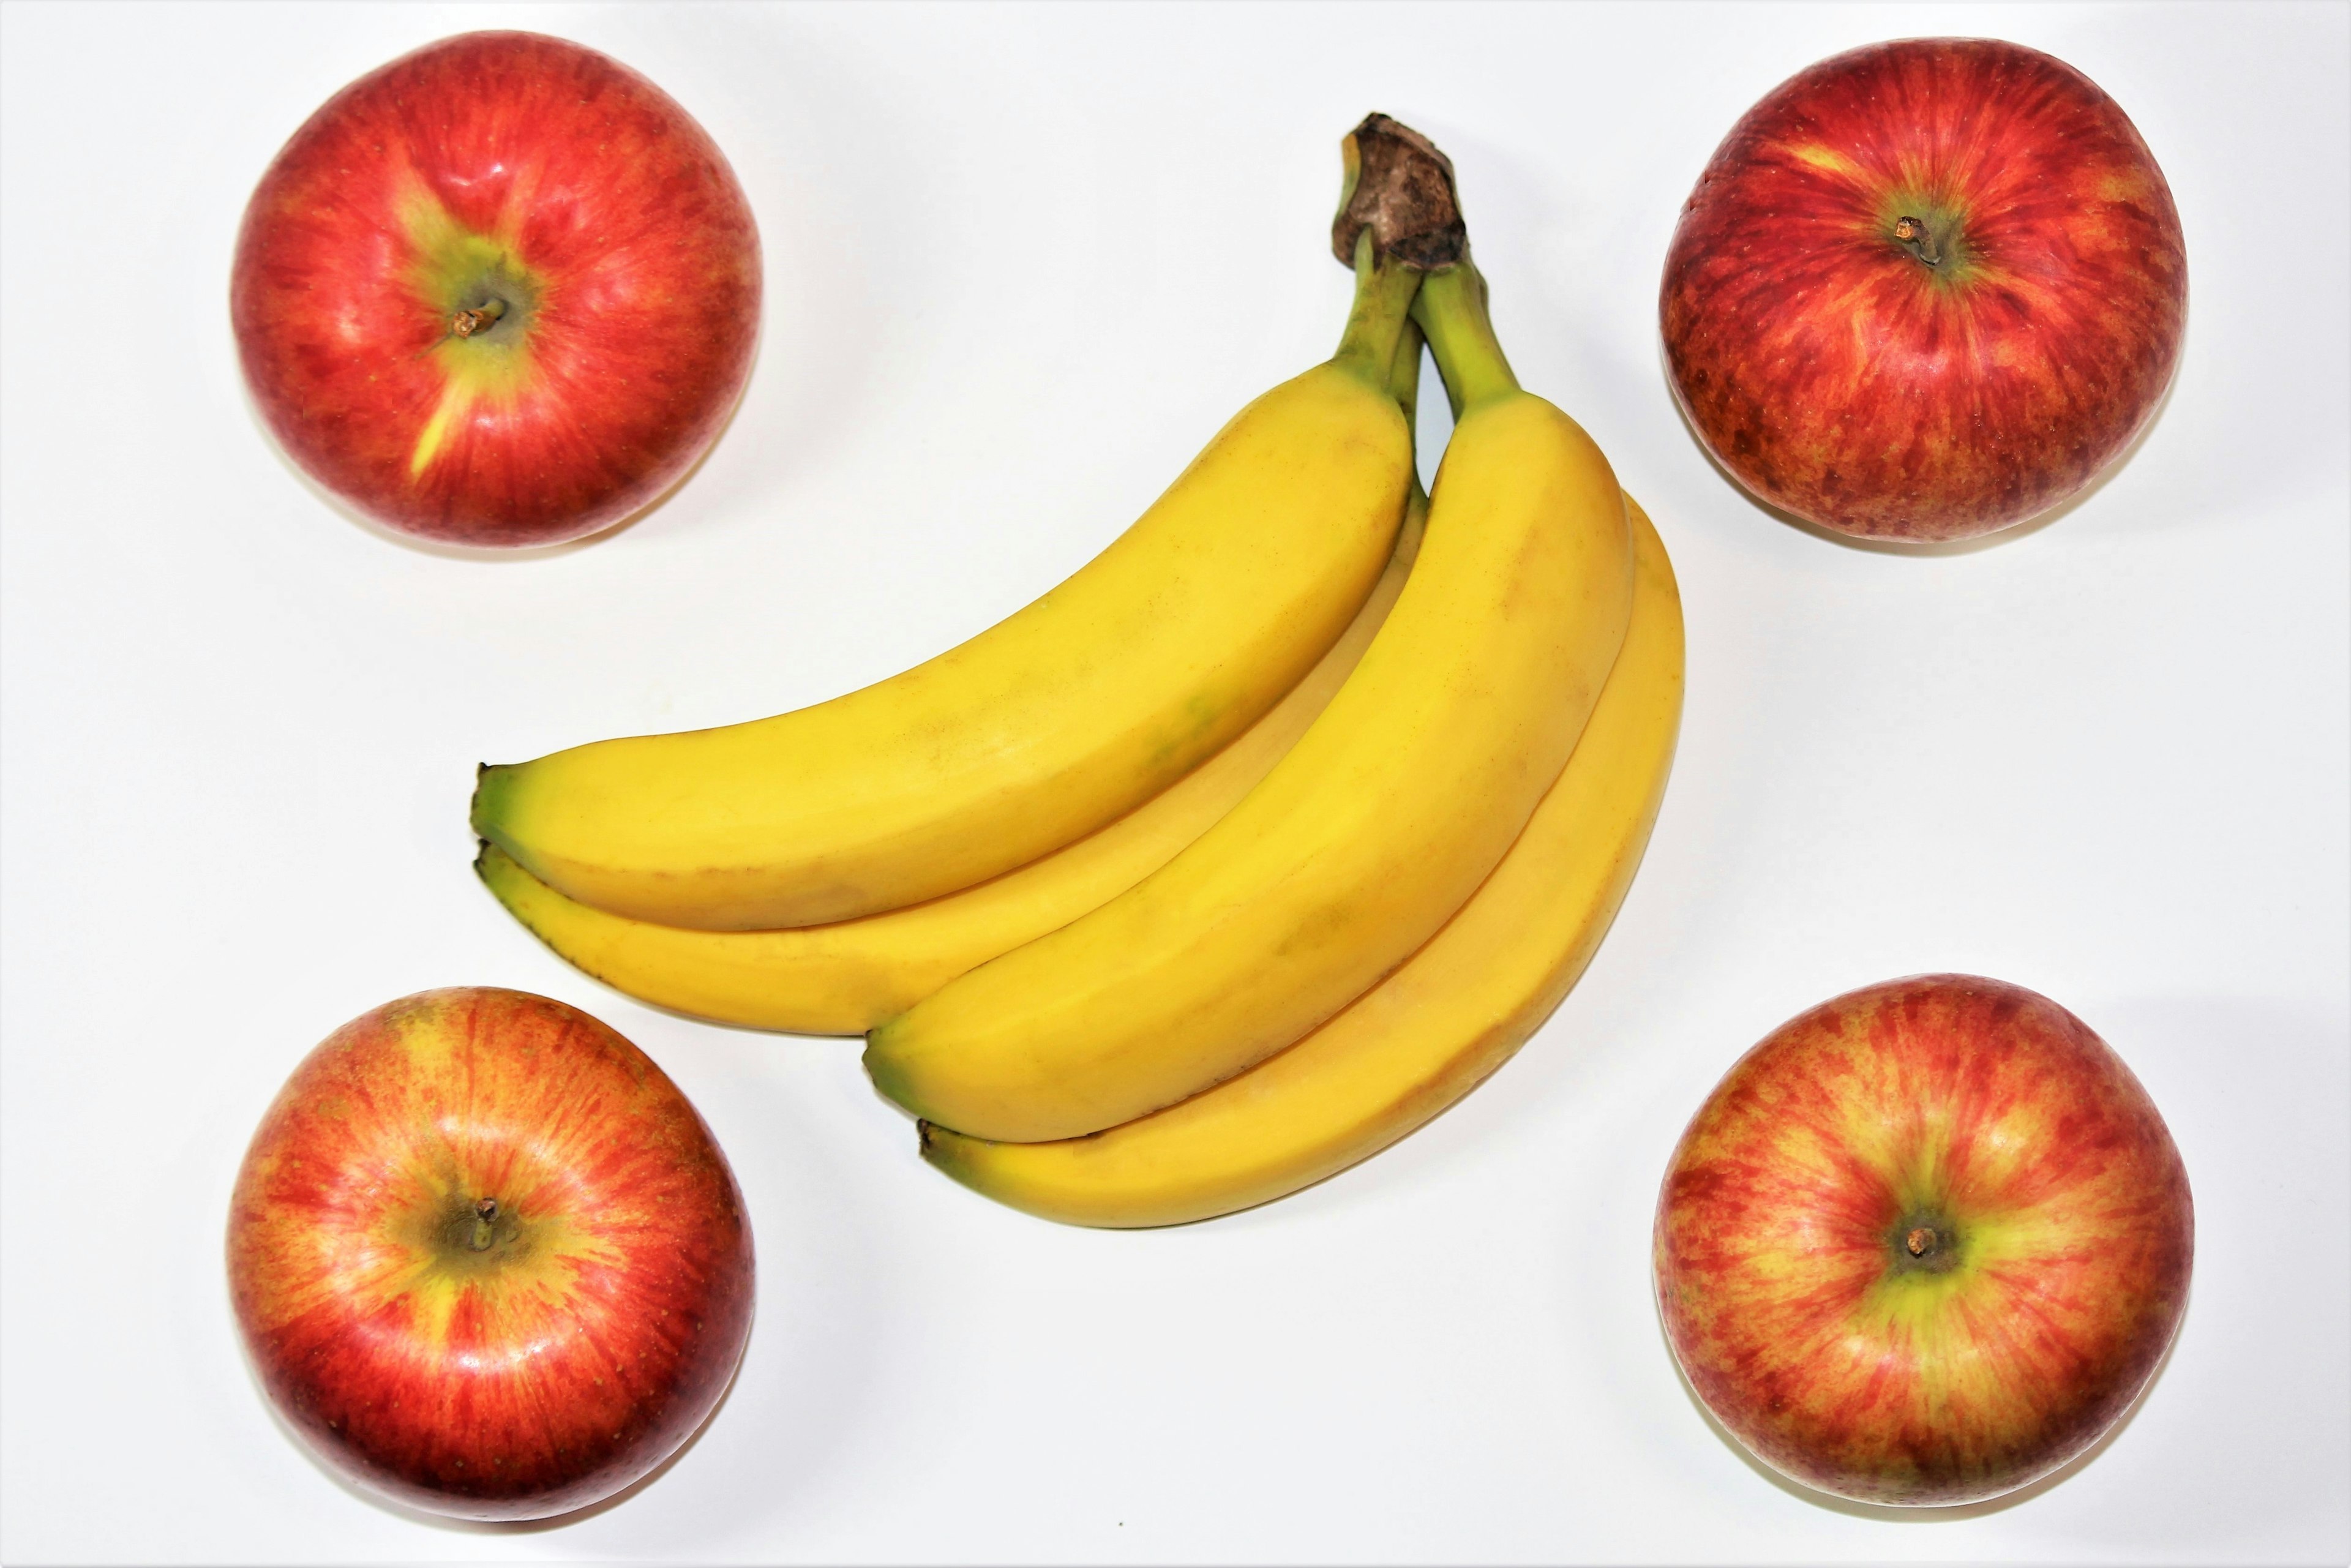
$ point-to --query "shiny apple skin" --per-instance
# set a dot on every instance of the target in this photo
(580, 1348)
(519, 158)
(1841, 379)
(1859, 1371)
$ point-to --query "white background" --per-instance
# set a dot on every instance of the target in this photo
(1021, 263)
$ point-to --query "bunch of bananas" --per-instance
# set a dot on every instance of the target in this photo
(1242, 852)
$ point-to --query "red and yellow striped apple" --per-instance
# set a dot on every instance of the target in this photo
(1925, 1243)
(487, 1259)
(502, 291)
(1924, 289)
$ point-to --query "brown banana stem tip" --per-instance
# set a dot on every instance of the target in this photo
(1401, 188)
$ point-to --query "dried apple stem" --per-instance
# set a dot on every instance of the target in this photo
(1915, 234)
(466, 323)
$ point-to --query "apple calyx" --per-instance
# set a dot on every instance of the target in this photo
(1914, 234)
(1924, 1243)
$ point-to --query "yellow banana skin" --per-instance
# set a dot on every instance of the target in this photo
(847, 977)
(1355, 848)
(1053, 722)
(1427, 1034)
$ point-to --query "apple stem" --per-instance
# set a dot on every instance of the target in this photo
(1918, 1241)
(485, 1214)
(466, 323)
(1914, 233)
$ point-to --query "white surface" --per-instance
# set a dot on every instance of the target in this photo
(1021, 263)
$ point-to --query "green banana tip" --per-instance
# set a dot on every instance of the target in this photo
(493, 783)
(948, 1153)
(889, 1075)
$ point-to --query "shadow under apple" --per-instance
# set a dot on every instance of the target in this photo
(1924, 547)
(1931, 1513)
(496, 554)
(343, 1481)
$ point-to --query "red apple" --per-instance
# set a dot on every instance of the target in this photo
(487, 1259)
(1925, 1243)
(501, 292)
(1924, 289)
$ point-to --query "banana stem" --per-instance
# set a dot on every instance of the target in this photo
(1403, 385)
(1451, 308)
(1403, 371)
(1383, 295)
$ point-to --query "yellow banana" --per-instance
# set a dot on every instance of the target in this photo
(1362, 841)
(1055, 721)
(1428, 1033)
(847, 977)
